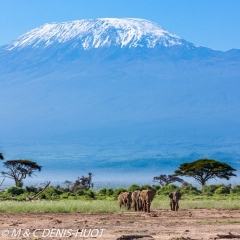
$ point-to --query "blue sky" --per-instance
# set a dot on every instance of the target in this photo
(209, 23)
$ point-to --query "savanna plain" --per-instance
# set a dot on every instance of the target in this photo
(199, 217)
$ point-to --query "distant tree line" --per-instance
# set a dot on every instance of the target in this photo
(201, 170)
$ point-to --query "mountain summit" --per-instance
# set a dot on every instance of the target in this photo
(98, 33)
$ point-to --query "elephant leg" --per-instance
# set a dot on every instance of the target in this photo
(148, 207)
(145, 206)
(174, 205)
(128, 205)
(135, 206)
(139, 207)
(171, 204)
(139, 204)
(177, 207)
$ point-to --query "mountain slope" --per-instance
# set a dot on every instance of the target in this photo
(119, 83)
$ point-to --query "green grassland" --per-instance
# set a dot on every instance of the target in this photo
(105, 200)
(101, 206)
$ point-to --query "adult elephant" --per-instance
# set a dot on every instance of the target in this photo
(147, 198)
(137, 200)
(174, 198)
(125, 198)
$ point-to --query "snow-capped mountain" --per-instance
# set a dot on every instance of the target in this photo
(102, 32)
(120, 84)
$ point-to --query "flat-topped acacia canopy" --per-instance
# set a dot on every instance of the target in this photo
(204, 169)
(20, 169)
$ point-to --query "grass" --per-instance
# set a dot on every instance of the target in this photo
(230, 204)
(64, 206)
(104, 206)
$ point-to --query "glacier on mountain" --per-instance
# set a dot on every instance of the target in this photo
(101, 32)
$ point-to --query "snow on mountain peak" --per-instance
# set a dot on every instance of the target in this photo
(101, 32)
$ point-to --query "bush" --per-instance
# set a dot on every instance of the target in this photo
(80, 192)
(117, 191)
(133, 188)
(89, 194)
(211, 188)
(14, 191)
(235, 189)
(222, 190)
(165, 190)
(51, 193)
(102, 191)
(31, 189)
(190, 189)
(156, 187)
(146, 187)
(65, 195)
(208, 194)
(109, 192)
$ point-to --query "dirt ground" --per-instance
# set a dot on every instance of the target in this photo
(159, 224)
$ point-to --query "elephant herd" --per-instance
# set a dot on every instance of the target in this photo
(142, 200)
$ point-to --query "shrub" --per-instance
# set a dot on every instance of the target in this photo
(190, 189)
(146, 187)
(133, 188)
(31, 189)
(211, 188)
(89, 194)
(15, 191)
(222, 190)
(65, 195)
(51, 193)
(155, 187)
(102, 191)
(80, 192)
(117, 191)
(208, 194)
(109, 192)
(165, 190)
(235, 189)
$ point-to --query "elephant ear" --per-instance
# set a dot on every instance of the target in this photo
(179, 195)
(170, 195)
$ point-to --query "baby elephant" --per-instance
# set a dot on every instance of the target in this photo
(174, 198)
(125, 198)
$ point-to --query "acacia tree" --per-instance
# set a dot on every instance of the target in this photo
(204, 169)
(19, 170)
(164, 180)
